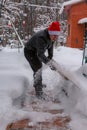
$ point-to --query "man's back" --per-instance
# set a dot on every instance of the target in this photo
(39, 40)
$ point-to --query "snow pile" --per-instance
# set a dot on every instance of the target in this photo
(13, 84)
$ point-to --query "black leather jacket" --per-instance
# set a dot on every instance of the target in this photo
(39, 43)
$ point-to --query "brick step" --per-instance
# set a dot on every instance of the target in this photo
(60, 122)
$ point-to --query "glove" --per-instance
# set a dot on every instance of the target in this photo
(49, 57)
(50, 64)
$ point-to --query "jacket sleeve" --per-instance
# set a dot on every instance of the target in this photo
(41, 48)
(50, 52)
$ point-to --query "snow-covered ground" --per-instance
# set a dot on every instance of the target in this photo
(16, 79)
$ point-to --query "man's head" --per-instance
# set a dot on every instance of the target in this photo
(54, 30)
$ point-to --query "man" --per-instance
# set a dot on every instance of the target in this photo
(34, 52)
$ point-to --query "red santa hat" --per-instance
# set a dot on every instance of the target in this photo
(54, 28)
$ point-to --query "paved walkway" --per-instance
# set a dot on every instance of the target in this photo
(60, 120)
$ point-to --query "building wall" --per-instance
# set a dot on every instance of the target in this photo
(75, 38)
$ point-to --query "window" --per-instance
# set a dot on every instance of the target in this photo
(68, 29)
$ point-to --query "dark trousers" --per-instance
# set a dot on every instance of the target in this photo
(36, 66)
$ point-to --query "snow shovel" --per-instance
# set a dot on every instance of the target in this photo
(72, 76)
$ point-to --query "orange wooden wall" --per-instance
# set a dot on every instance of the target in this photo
(75, 38)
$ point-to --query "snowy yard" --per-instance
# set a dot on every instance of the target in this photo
(16, 80)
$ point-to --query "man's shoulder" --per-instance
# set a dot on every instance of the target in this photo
(41, 33)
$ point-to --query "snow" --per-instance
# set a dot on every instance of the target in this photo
(83, 20)
(67, 3)
(16, 79)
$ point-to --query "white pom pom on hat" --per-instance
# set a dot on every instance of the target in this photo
(54, 28)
